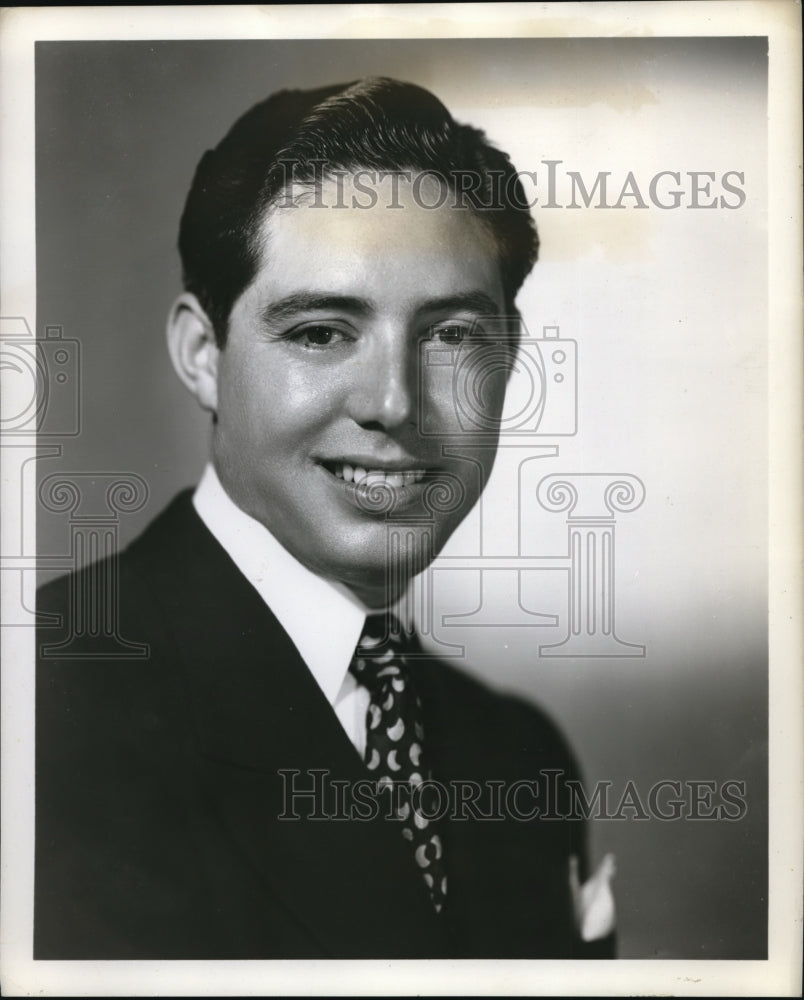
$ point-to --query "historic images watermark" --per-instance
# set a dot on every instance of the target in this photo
(552, 185)
(314, 794)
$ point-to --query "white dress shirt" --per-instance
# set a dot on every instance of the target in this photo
(323, 618)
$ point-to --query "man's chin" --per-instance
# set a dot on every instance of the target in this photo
(379, 573)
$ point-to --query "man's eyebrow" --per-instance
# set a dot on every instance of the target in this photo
(474, 301)
(300, 302)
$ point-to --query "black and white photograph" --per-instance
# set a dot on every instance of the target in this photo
(401, 499)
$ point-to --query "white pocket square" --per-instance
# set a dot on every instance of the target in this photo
(593, 902)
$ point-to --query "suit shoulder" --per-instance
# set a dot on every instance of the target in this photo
(509, 723)
(104, 646)
(476, 695)
(121, 578)
(94, 606)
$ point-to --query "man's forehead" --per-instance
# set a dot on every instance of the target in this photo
(423, 199)
(350, 236)
(336, 186)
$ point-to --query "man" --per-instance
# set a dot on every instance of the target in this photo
(264, 784)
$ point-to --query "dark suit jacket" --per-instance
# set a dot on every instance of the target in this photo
(159, 794)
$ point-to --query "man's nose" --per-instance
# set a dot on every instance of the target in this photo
(385, 391)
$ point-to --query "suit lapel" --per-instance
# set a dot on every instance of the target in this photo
(257, 712)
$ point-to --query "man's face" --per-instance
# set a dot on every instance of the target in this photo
(321, 392)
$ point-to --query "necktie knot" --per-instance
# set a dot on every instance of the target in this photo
(379, 659)
(382, 630)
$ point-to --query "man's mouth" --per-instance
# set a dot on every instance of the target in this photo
(362, 476)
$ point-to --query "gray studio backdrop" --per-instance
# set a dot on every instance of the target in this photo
(667, 307)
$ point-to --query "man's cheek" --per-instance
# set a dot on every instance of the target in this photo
(438, 411)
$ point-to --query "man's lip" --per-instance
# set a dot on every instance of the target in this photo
(397, 475)
(379, 464)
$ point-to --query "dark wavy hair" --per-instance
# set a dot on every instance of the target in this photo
(299, 135)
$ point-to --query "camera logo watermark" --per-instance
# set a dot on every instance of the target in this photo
(41, 412)
(543, 400)
(465, 367)
(461, 368)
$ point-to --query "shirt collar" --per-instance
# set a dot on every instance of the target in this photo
(322, 617)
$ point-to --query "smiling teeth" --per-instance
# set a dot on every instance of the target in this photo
(372, 477)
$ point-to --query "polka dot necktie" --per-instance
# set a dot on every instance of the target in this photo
(395, 743)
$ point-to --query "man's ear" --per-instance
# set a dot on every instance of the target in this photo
(193, 351)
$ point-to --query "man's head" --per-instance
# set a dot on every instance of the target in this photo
(301, 135)
(329, 238)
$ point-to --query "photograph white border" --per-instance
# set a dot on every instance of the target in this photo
(780, 975)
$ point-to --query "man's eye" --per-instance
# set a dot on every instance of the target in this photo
(318, 335)
(451, 333)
